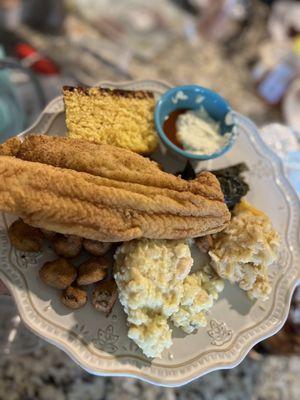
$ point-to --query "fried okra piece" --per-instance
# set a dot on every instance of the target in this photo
(95, 247)
(59, 273)
(67, 246)
(74, 297)
(25, 237)
(92, 271)
(48, 234)
(105, 296)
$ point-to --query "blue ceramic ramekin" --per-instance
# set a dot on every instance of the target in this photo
(192, 97)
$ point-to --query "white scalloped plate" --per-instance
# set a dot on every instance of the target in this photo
(235, 325)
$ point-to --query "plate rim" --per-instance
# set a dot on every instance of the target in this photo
(136, 372)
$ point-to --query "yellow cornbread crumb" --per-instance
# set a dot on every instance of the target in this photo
(116, 117)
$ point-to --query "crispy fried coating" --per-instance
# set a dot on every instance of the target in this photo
(74, 297)
(112, 163)
(105, 193)
(59, 273)
(11, 147)
(48, 234)
(95, 247)
(77, 203)
(25, 237)
(68, 246)
(92, 271)
(105, 296)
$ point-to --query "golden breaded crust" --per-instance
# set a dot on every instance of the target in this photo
(111, 162)
(10, 147)
(118, 117)
(105, 209)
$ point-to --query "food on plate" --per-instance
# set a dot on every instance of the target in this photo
(149, 275)
(48, 234)
(74, 297)
(67, 246)
(188, 173)
(204, 243)
(92, 271)
(152, 338)
(92, 189)
(200, 289)
(95, 247)
(198, 133)
(101, 160)
(154, 285)
(121, 204)
(121, 118)
(232, 183)
(25, 237)
(96, 159)
(59, 273)
(105, 295)
(10, 147)
(246, 248)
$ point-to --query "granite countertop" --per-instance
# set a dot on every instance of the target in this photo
(48, 374)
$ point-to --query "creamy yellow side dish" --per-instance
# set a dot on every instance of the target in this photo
(154, 337)
(149, 275)
(199, 292)
(243, 252)
(154, 285)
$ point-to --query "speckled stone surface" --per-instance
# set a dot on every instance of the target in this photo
(48, 374)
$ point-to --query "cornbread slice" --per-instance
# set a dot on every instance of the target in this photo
(117, 117)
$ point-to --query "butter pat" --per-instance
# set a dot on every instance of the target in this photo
(199, 133)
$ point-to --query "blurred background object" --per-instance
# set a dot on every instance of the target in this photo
(10, 13)
(15, 338)
(284, 141)
(248, 50)
(46, 16)
(287, 341)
